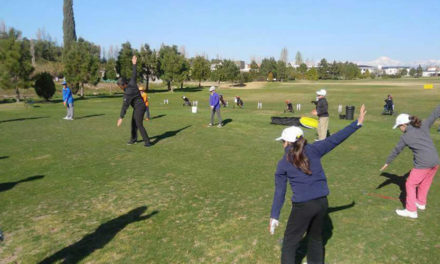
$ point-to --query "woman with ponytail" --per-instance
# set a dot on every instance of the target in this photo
(417, 137)
(301, 167)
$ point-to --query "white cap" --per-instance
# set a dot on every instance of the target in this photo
(291, 134)
(212, 88)
(401, 119)
(322, 92)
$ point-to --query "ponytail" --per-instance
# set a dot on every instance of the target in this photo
(415, 121)
(297, 157)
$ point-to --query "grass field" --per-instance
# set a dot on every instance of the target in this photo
(74, 190)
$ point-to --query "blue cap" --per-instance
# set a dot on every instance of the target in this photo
(64, 83)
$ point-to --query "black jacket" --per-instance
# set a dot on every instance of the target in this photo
(132, 96)
(322, 107)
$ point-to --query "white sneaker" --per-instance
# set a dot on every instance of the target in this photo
(66, 117)
(406, 213)
(421, 207)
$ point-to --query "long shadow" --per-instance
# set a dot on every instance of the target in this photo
(9, 185)
(167, 134)
(99, 238)
(158, 116)
(397, 180)
(227, 121)
(327, 232)
(88, 116)
(3, 157)
(189, 89)
(22, 119)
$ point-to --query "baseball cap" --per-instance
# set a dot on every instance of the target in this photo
(291, 134)
(212, 88)
(322, 92)
(401, 119)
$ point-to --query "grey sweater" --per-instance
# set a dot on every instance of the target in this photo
(420, 143)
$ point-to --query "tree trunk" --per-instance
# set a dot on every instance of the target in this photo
(169, 85)
(17, 92)
(181, 85)
(81, 93)
(200, 84)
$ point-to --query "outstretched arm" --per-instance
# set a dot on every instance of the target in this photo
(399, 147)
(427, 123)
(133, 72)
(325, 146)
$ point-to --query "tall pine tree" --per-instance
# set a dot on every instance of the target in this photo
(68, 24)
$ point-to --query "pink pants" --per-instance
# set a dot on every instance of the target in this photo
(417, 187)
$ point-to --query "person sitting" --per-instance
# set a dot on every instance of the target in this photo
(186, 101)
(388, 108)
(289, 107)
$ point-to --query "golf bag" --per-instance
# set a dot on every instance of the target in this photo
(388, 108)
(222, 101)
(289, 108)
(186, 101)
(285, 121)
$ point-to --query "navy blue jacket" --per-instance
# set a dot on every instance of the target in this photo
(132, 96)
(306, 187)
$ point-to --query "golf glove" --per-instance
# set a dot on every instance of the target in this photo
(273, 223)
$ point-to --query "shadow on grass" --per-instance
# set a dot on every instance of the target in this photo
(22, 119)
(158, 116)
(226, 121)
(167, 134)
(3, 157)
(99, 238)
(397, 180)
(327, 232)
(9, 185)
(88, 116)
(189, 89)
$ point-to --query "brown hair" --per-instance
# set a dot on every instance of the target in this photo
(415, 121)
(297, 157)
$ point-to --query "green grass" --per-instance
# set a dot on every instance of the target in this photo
(207, 191)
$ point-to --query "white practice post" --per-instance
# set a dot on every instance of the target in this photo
(298, 107)
(340, 109)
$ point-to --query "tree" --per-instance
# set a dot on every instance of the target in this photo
(148, 63)
(412, 72)
(82, 65)
(44, 85)
(184, 70)
(302, 69)
(254, 70)
(110, 69)
(69, 34)
(268, 65)
(323, 70)
(312, 74)
(15, 62)
(298, 58)
(270, 77)
(124, 64)
(281, 70)
(171, 65)
(284, 56)
(404, 72)
(200, 69)
(419, 71)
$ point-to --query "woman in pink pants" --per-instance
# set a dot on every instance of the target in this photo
(417, 137)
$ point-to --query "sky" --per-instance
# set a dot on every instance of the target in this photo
(373, 31)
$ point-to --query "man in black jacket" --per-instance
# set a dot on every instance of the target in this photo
(133, 97)
(322, 112)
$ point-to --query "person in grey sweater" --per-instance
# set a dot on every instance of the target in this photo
(417, 137)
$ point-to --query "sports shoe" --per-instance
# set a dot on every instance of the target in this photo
(219, 125)
(421, 207)
(210, 124)
(65, 117)
(70, 118)
(148, 144)
(131, 142)
(406, 213)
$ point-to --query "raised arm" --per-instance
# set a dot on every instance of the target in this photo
(325, 146)
(133, 72)
(280, 191)
(427, 123)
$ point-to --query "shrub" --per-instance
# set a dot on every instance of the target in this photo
(44, 85)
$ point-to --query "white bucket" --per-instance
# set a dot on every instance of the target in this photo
(194, 109)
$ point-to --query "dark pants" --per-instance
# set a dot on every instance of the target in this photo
(305, 217)
(137, 123)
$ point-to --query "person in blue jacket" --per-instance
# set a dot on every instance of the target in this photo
(67, 101)
(301, 167)
(214, 103)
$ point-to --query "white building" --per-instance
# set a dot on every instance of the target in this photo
(394, 70)
(365, 68)
(431, 72)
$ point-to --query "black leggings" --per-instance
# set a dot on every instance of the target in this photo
(136, 123)
(305, 217)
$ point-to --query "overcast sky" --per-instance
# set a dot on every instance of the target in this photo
(360, 31)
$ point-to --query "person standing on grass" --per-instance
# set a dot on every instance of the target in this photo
(426, 161)
(67, 101)
(133, 97)
(214, 102)
(147, 104)
(322, 112)
(301, 167)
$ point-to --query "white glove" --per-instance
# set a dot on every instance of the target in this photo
(273, 223)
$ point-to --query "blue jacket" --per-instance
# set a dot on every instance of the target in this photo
(214, 100)
(67, 96)
(306, 187)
